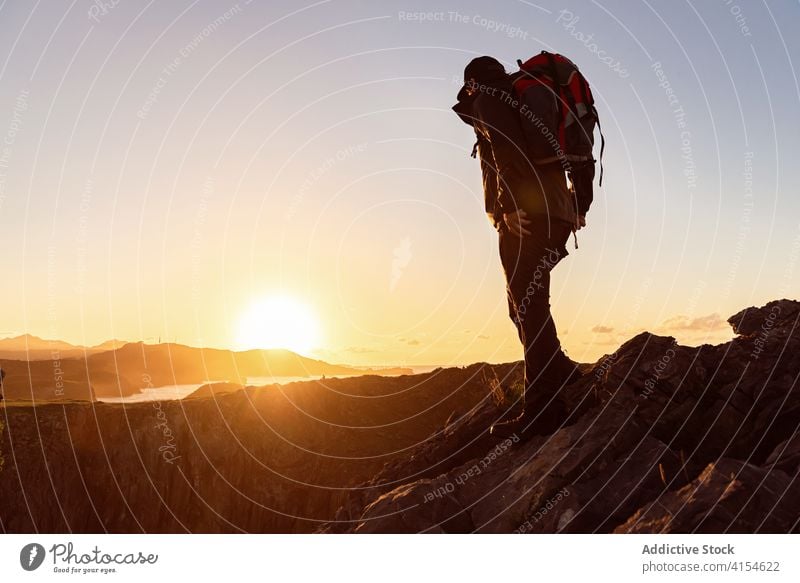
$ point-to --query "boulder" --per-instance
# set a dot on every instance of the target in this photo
(729, 496)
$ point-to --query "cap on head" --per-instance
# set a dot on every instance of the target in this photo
(484, 69)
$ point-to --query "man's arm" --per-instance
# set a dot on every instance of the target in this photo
(489, 175)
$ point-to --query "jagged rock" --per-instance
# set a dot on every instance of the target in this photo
(729, 496)
(786, 456)
(392, 510)
(462, 438)
(649, 416)
(603, 501)
(755, 320)
(503, 490)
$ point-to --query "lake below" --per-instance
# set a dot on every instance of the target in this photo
(173, 392)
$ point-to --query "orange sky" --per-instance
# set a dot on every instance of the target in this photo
(162, 172)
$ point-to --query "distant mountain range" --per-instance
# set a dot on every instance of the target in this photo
(30, 347)
(49, 370)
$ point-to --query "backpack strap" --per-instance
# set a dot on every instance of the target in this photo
(551, 63)
(602, 144)
(587, 99)
(479, 140)
(561, 94)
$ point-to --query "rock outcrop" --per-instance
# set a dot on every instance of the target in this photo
(661, 438)
(214, 389)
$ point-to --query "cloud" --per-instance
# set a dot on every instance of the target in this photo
(602, 329)
(359, 349)
(710, 322)
(605, 341)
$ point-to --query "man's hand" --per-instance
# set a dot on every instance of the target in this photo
(580, 222)
(516, 223)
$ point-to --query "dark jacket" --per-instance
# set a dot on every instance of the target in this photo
(510, 180)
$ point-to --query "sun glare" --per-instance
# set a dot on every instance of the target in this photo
(279, 322)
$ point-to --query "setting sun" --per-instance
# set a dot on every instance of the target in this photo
(279, 322)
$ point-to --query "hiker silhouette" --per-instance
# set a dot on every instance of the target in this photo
(534, 212)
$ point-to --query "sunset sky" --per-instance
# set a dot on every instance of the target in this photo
(166, 167)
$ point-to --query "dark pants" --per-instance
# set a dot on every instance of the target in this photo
(527, 262)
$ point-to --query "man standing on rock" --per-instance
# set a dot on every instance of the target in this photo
(534, 214)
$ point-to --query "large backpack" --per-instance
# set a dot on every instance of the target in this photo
(558, 117)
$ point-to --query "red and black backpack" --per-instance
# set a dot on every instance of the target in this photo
(558, 117)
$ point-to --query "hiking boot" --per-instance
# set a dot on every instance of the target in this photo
(563, 372)
(574, 374)
(511, 428)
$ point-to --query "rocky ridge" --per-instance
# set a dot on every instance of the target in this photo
(661, 438)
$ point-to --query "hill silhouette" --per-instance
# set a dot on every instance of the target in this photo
(662, 438)
(30, 347)
(126, 370)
